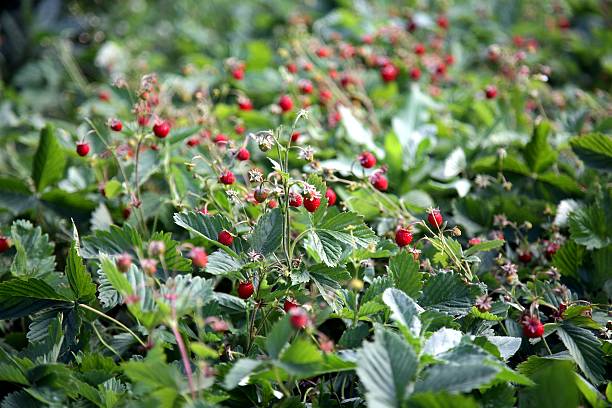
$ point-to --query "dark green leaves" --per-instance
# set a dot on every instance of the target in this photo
(591, 227)
(49, 160)
(22, 297)
(585, 348)
(278, 337)
(447, 293)
(79, 278)
(34, 256)
(594, 149)
(538, 153)
(484, 246)
(268, 232)
(386, 367)
(404, 270)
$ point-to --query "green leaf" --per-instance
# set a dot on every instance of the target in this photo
(206, 226)
(268, 232)
(447, 293)
(12, 374)
(538, 153)
(594, 149)
(456, 378)
(174, 259)
(240, 372)
(191, 292)
(569, 258)
(34, 256)
(259, 55)
(405, 310)
(386, 367)
(354, 336)
(484, 246)
(278, 337)
(590, 227)
(22, 297)
(441, 400)
(585, 349)
(555, 386)
(301, 358)
(220, 263)
(506, 345)
(441, 341)
(78, 277)
(49, 160)
(15, 196)
(112, 188)
(115, 241)
(404, 270)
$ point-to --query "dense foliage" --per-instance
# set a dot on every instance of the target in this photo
(328, 204)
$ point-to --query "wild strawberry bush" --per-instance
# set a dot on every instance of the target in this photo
(361, 205)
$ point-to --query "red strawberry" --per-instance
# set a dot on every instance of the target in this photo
(298, 318)
(389, 72)
(104, 96)
(82, 149)
(272, 203)
(198, 257)
(419, 49)
(551, 249)
(367, 160)
(291, 67)
(312, 203)
(403, 237)
(474, 241)
(225, 238)
(245, 104)
(442, 22)
(123, 262)
(193, 142)
(435, 218)
(295, 199)
(289, 304)
(532, 327)
(4, 244)
(238, 73)
(116, 125)
(323, 52)
(325, 95)
(305, 86)
(221, 139)
(243, 154)
(295, 136)
(415, 74)
(227, 177)
(260, 194)
(331, 196)
(245, 290)
(143, 120)
(379, 181)
(286, 103)
(161, 128)
(525, 256)
(490, 92)
(239, 128)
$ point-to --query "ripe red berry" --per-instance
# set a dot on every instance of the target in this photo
(435, 218)
(243, 154)
(403, 237)
(490, 92)
(82, 149)
(123, 262)
(323, 52)
(551, 249)
(532, 327)
(295, 199)
(289, 304)
(260, 194)
(245, 290)
(161, 128)
(441, 68)
(389, 72)
(116, 125)
(245, 104)
(295, 136)
(292, 68)
(143, 120)
(525, 256)
(225, 238)
(564, 23)
(415, 74)
(474, 241)
(325, 95)
(193, 141)
(379, 181)
(4, 244)
(298, 318)
(285, 103)
(367, 160)
(238, 73)
(104, 96)
(312, 203)
(331, 196)
(442, 22)
(305, 86)
(227, 177)
(272, 203)
(419, 49)
(198, 257)
(239, 128)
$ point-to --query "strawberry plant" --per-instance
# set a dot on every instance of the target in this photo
(368, 204)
